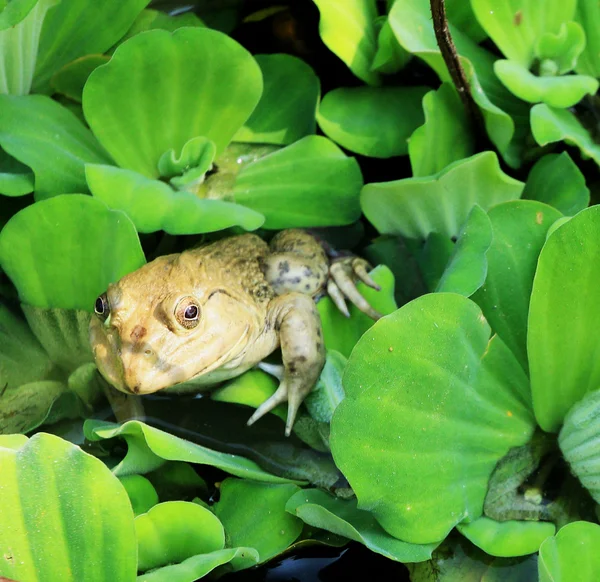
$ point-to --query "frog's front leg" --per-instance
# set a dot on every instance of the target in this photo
(296, 319)
(300, 261)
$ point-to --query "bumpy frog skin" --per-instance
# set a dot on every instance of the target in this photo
(211, 313)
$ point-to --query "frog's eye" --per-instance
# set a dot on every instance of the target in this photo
(101, 307)
(187, 312)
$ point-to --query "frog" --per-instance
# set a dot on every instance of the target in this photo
(192, 320)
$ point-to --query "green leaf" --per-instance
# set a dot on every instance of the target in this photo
(254, 515)
(561, 92)
(70, 80)
(283, 121)
(390, 56)
(16, 179)
(153, 205)
(149, 447)
(563, 48)
(22, 358)
(504, 116)
(342, 517)
(461, 15)
(63, 252)
(415, 207)
(578, 440)
(307, 184)
(187, 169)
(467, 269)
(588, 15)
(550, 125)
(519, 231)
(75, 28)
(141, 492)
(571, 554)
(251, 389)
(64, 516)
(516, 25)
(50, 140)
(347, 27)
(63, 333)
(563, 318)
(192, 82)
(197, 567)
(176, 530)
(329, 392)
(372, 121)
(429, 392)
(445, 137)
(341, 333)
(13, 12)
(19, 42)
(556, 180)
(507, 539)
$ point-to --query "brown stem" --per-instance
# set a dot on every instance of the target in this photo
(459, 78)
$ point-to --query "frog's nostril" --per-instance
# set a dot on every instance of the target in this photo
(148, 352)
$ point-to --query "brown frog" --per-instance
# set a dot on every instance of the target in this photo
(211, 313)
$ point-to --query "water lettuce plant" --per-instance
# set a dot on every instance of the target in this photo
(458, 434)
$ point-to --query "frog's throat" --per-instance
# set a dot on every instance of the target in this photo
(224, 358)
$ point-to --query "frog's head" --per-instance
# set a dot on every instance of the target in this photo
(166, 323)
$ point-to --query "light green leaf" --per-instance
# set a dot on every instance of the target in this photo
(467, 268)
(347, 27)
(507, 539)
(579, 442)
(588, 15)
(149, 447)
(307, 184)
(556, 180)
(283, 121)
(254, 515)
(390, 56)
(550, 125)
(563, 318)
(49, 139)
(505, 117)
(19, 45)
(564, 91)
(70, 79)
(75, 28)
(372, 121)
(519, 231)
(340, 332)
(192, 82)
(16, 179)
(432, 404)
(14, 12)
(516, 25)
(571, 554)
(141, 492)
(561, 49)
(176, 530)
(342, 517)
(63, 252)
(199, 566)
(415, 207)
(445, 137)
(64, 515)
(153, 205)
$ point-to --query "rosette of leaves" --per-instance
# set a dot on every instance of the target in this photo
(440, 391)
(542, 43)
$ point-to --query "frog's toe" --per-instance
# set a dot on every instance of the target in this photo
(279, 397)
(343, 273)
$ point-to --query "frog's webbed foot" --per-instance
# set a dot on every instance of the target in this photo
(343, 274)
(300, 335)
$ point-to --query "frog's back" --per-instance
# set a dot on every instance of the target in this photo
(236, 262)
